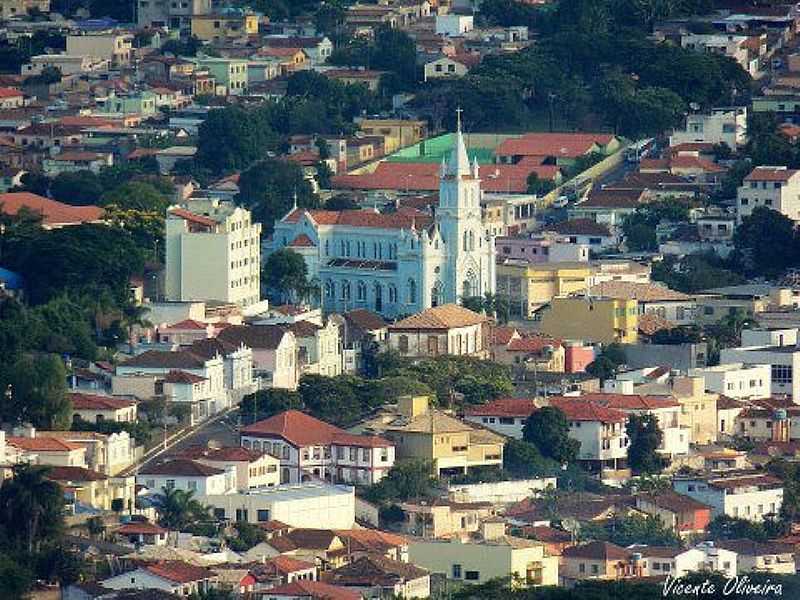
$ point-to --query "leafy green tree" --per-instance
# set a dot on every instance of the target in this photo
(405, 480)
(548, 430)
(538, 186)
(247, 536)
(768, 242)
(266, 403)
(134, 316)
(341, 202)
(642, 529)
(40, 500)
(137, 195)
(332, 399)
(78, 189)
(285, 275)
(640, 237)
(268, 188)
(16, 578)
(33, 182)
(694, 273)
(523, 459)
(602, 368)
(645, 436)
(179, 508)
(38, 392)
(724, 527)
(234, 138)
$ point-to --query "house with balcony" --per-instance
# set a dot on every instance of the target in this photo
(309, 448)
(596, 560)
(745, 494)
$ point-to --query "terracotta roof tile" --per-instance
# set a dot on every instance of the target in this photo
(42, 444)
(304, 430)
(532, 343)
(675, 502)
(183, 377)
(503, 335)
(53, 213)
(770, 174)
(179, 571)
(362, 218)
(194, 218)
(302, 241)
(642, 292)
(577, 410)
(180, 467)
(623, 401)
(223, 454)
(504, 407)
(186, 325)
(69, 474)
(651, 323)
(267, 337)
(317, 590)
(365, 320)
(81, 401)
(164, 359)
(565, 145)
(597, 551)
(374, 570)
(447, 316)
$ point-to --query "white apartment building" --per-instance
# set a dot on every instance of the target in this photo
(744, 495)
(454, 25)
(312, 449)
(777, 188)
(721, 126)
(784, 363)
(213, 252)
(676, 562)
(737, 380)
(184, 474)
(68, 64)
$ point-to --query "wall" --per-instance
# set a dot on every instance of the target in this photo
(677, 356)
(500, 491)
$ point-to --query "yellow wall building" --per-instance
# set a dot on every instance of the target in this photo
(396, 133)
(605, 320)
(215, 27)
(529, 286)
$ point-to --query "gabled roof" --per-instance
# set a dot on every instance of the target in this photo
(641, 292)
(73, 474)
(42, 444)
(223, 454)
(361, 218)
(302, 241)
(179, 571)
(192, 217)
(301, 429)
(532, 343)
(605, 551)
(209, 348)
(284, 565)
(140, 528)
(183, 377)
(180, 467)
(577, 410)
(82, 401)
(776, 174)
(503, 407)
(747, 547)
(502, 335)
(625, 401)
(186, 325)
(447, 316)
(581, 227)
(374, 570)
(562, 145)
(261, 337)
(303, 588)
(675, 502)
(53, 212)
(164, 359)
(303, 329)
(365, 320)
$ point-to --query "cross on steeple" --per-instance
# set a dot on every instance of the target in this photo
(459, 110)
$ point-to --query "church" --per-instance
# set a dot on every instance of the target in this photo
(402, 262)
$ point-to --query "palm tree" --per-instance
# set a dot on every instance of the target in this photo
(133, 315)
(178, 508)
(31, 507)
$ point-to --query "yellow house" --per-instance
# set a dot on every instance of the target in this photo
(606, 320)
(84, 486)
(396, 133)
(530, 286)
(470, 560)
(698, 408)
(450, 444)
(215, 27)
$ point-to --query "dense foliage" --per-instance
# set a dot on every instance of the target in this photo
(547, 429)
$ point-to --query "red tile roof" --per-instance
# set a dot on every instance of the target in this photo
(577, 410)
(565, 145)
(624, 401)
(597, 551)
(180, 467)
(194, 218)
(302, 241)
(7, 92)
(286, 564)
(302, 588)
(53, 212)
(502, 335)
(139, 528)
(770, 174)
(503, 407)
(446, 316)
(81, 401)
(183, 377)
(532, 343)
(68, 474)
(581, 227)
(42, 444)
(301, 430)
(186, 325)
(362, 218)
(224, 454)
(179, 572)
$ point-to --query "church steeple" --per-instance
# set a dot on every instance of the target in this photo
(458, 165)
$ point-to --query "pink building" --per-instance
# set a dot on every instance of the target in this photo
(577, 357)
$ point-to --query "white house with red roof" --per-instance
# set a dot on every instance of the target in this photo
(213, 252)
(309, 448)
(506, 416)
(42, 450)
(95, 408)
(777, 188)
(188, 475)
(11, 98)
(184, 332)
(558, 148)
(143, 532)
(402, 262)
(176, 577)
(253, 469)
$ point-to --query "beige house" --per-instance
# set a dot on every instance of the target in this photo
(450, 444)
(698, 408)
(84, 486)
(49, 451)
(275, 352)
(105, 454)
(95, 408)
(116, 47)
(253, 469)
(319, 350)
(595, 560)
(447, 329)
(441, 518)
(396, 133)
(762, 557)
(474, 561)
(527, 350)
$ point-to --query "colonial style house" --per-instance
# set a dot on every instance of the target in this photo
(308, 447)
(185, 474)
(448, 329)
(399, 263)
(275, 352)
(253, 469)
(95, 408)
(176, 577)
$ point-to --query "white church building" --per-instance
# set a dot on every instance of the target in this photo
(403, 262)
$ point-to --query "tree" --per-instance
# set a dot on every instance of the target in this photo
(548, 430)
(724, 527)
(40, 500)
(523, 459)
(16, 579)
(341, 202)
(178, 508)
(645, 438)
(134, 316)
(34, 182)
(332, 399)
(640, 237)
(269, 188)
(285, 275)
(538, 186)
(78, 188)
(137, 195)
(405, 480)
(233, 138)
(639, 529)
(265, 403)
(246, 537)
(38, 392)
(602, 368)
(768, 242)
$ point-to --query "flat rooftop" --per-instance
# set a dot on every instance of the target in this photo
(302, 491)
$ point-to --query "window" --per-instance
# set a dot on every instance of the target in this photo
(262, 515)
(582, 567)
(456, 571)
(170, 484)
(192, 485)
(595, 569)
(353, 454)
(345, 290)
(472, 575)
(412, 291)
(506, 420)
(782, 374)
(402, 344)
(361, 291)
(365, 454)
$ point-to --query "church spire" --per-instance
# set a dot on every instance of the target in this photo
(459, 161)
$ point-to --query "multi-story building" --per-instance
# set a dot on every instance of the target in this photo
(684, 515)
(451, 445)
(736, 380)
(106, 454)
(676, 307)
(175, 15)
(213, 252)
(721, 126)
(506, 416)
(449, 329)
(228, 72)
(115, 47)
(309, 448)
(494, 555)
(187, 475)
(698, 408)
(545, 248)
(783, 360)
(606, 320)
(777, 188)
(660, 561)
(253, 469)
(396, 133)
(219, 26)
(743, 495)
(319, 348)
(404, 262)
(68, 64)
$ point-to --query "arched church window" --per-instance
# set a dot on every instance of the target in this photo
(472, 240)
(345, 290)
(330, 289)
(412, 291)
(327, 248)
(392, 293)
(465, 241)
(361, 291)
